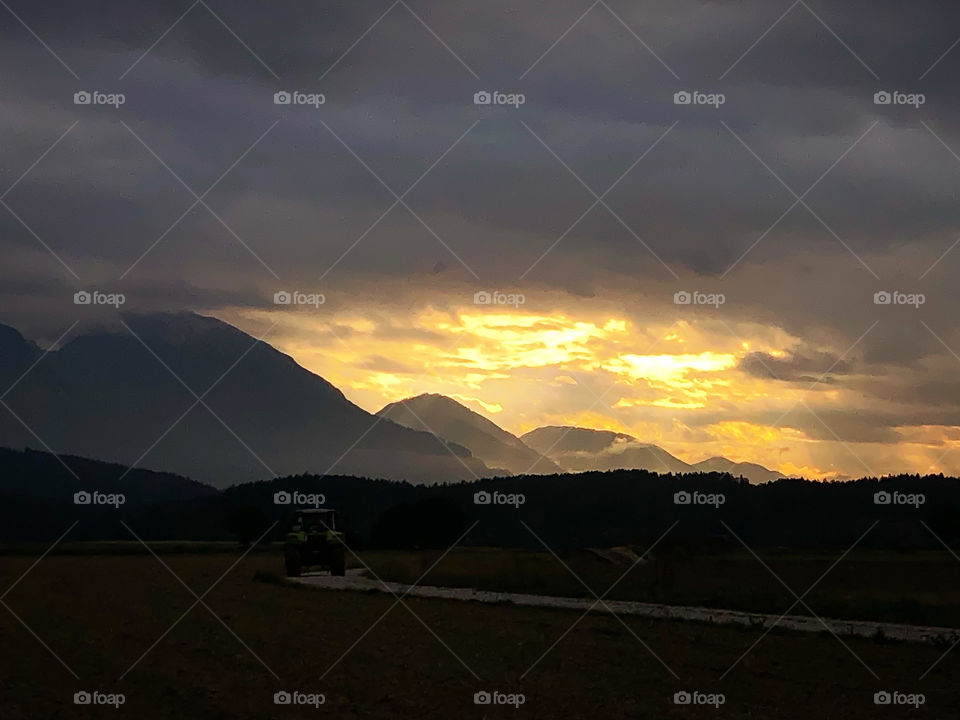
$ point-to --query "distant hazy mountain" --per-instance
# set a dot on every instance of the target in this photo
(457, 423)
(105, 396)
(753, 472)
(581, 449)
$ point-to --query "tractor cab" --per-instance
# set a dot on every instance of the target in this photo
(313, 522)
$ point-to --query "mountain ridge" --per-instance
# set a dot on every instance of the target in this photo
(131, 396)
(578, 449)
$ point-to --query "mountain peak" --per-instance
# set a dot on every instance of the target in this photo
(435, 398)
(455, 422)
(15, 349)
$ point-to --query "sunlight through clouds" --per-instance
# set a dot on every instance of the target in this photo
(697, 387)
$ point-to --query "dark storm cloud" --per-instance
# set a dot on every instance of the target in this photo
(795, 367)
(843, 426)
(300, 200)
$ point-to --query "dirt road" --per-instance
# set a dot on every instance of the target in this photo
(358, 580)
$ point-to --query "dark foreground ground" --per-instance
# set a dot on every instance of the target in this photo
(100, 614)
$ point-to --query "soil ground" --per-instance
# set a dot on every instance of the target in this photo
(100, 613)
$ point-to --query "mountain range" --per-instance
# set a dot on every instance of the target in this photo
(194, 396)
(191, 395)
(551, 449)
(581, 449)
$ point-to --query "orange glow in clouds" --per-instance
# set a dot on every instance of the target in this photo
(677, 384)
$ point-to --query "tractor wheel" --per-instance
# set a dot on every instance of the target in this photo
(291, 561)
(338, 562)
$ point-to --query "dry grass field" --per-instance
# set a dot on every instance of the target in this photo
(108, 618)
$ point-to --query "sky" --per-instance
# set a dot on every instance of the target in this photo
(781, 200)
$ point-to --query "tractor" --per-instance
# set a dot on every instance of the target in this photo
(314, 541)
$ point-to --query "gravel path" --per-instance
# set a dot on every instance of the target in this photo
(355, 580)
